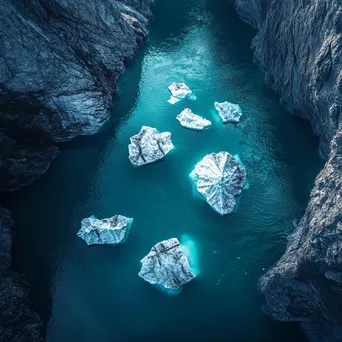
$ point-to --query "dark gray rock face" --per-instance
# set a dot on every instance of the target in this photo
(299, 46)
(23, 162)
(17, 321)
(59, 62)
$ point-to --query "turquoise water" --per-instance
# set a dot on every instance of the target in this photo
(95, 294)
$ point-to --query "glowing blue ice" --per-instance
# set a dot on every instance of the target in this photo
(189, 249)
(167, 267)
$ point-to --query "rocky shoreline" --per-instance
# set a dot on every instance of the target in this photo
(59, 64)
(299, 45)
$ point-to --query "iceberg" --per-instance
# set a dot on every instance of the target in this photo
(166, 267)
(179, 92)
(219, 178)
(149, 146)
(191, 120)
(229, 112)
(108, 231)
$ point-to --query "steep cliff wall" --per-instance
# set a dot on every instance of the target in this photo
(299, 46)
(17, 322)
(59, 62)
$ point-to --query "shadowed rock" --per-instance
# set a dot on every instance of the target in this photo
(166, 266)
(149, 146)
(17, 321)
(193, 121)
(229, 112)
(108, 231)
(219, 178)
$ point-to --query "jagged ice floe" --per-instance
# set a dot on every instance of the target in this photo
(179, 92)
(108, 231)
(219, 178)
(149, 146)
(229, 112)
(191, 120)
(167, 267)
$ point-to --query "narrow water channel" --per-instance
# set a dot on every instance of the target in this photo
(94, 294)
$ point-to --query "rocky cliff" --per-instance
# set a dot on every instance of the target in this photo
(59, 62)
(299, 46)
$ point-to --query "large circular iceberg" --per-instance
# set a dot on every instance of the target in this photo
(219, 178)
(166, 266)
(108, 231)
(149, 146)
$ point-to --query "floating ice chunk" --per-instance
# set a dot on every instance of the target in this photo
(166, 266)
(219, 177)
(149, 146)
(191, 120)
(229, 112)
(173, 100)
(108, 231)
(179, 92)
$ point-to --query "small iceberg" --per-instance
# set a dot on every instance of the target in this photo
(108, 231)
(229, 112)
(219, 178)
(179, 92)
(149, 146)
(167, 267)
(191, 120)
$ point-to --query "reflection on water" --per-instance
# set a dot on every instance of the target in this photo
(95, 294)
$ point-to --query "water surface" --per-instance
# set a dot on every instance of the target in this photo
(94, 294)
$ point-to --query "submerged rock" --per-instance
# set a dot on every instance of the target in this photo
(191, 120)
(149, 146)
(179, 92)
(229, 112)
(219, 177)
(108, 231)
(166, 266)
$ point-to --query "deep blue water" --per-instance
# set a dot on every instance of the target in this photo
(94, 294)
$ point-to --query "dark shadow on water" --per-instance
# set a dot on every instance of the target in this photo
(68, 180)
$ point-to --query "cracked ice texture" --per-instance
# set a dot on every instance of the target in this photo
(166, 266)
(191, 120)
(179, 92)
(219, 178)
(149, 146)
(229, 112)
(108, 231)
